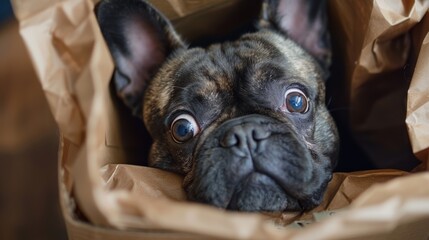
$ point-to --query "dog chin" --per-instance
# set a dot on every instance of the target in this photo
(254, 192)
(259, 192)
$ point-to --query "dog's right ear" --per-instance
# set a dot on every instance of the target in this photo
(304, 21)
(139, 39)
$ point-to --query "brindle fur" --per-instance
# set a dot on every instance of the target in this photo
(239, 85)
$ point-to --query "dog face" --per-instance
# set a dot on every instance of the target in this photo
(244, 121)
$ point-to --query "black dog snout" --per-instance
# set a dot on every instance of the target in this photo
(244, 138)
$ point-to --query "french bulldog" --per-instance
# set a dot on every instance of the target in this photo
(244, 121)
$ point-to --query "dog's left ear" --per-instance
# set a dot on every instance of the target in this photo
(140, 39)
(304, 21)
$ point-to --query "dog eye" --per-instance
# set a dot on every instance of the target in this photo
(183, 128)
(295, 101)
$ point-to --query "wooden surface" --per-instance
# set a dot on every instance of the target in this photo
(29, 207)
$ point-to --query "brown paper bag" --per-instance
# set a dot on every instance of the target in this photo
(380, 42)
(417, 105)
(104, 199)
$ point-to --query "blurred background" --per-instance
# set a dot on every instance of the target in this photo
(29, 206)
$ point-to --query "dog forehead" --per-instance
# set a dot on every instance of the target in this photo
(221, 67)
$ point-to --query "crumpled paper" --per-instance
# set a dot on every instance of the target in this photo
(104, 198)
(418, 105)
(380, 43)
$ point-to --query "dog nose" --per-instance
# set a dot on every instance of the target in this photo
(244, 137)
